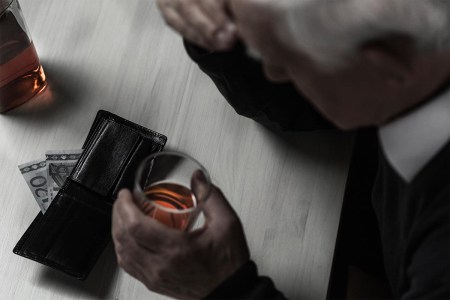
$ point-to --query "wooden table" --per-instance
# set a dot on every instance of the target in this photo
(119, 56)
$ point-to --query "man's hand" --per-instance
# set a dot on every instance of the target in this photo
(202, 22)
(257, 23)
(179, 264)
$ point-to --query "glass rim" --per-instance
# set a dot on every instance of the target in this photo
(8, 5)
(138, 188)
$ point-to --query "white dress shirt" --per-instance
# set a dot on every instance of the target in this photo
(411, 141)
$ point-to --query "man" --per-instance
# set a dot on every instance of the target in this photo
(360, 63)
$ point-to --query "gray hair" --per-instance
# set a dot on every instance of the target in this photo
(331, 31)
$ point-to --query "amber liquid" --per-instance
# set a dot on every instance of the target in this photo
(174, 197)
(21, 75)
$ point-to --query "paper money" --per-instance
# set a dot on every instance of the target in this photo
(35, 174)
(60, 164)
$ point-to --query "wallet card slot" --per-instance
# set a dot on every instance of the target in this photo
(79, 193)
(84, 236)
(142, 150)
(74, 228)
(102, 162)
(43, 235)
(19, 248)
(81, 240)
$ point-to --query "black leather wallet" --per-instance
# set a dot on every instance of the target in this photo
(76, 228)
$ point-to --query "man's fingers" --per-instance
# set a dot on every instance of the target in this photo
(195, 17)
(130, 257)
(217, 206)
(128, 220)
(179, 24)
(225, 34)
(127, 250)
(213, 34)
(200, 186)
(117, 222)
(216, 11)
(173, 19)
(203, 22)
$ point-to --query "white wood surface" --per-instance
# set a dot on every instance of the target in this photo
(118, 55)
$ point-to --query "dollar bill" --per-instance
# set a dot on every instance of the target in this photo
(60, 164)
(35, 174)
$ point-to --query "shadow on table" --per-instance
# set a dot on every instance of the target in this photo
(63, 92)
(99, 283)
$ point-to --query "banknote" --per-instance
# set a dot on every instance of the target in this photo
(35, 174)
(60, 164)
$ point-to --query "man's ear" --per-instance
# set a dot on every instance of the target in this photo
(394, 68)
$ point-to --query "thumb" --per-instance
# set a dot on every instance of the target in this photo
(200, 186)
(216, 207)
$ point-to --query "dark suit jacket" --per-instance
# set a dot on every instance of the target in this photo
(413, 218)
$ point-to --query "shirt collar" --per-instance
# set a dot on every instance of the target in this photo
(411, 141)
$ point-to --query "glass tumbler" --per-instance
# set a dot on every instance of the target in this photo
(163, 188)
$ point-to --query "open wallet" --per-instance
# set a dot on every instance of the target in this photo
(76, 228)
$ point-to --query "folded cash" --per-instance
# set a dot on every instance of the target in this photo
(46, 177)
(35, 174)
(59, 166)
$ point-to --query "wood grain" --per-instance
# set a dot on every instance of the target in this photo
(119, 56)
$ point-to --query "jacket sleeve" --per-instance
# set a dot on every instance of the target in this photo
(241, 81)
(246, 284)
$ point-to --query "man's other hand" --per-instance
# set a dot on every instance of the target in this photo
(202, 22)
